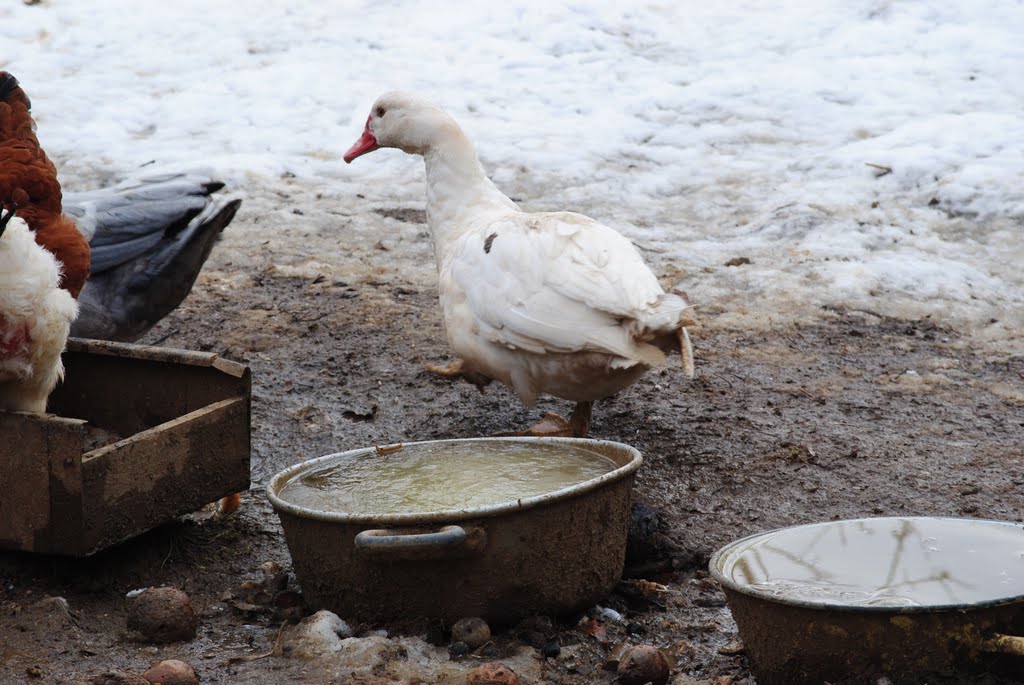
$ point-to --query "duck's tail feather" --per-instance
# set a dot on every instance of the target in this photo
(685, 351)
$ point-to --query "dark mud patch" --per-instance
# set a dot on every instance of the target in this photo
(408, 215)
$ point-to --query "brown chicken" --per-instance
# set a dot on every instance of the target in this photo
(29, 187)
(44, 261)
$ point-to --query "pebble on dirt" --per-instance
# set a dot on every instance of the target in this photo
(171, 672)
(457, 650)
(162, 614)
(492, 673)
(473, 631)
(643, 664)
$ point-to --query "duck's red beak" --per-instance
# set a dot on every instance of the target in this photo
(366, 143)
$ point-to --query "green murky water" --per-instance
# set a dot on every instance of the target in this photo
(443, 477)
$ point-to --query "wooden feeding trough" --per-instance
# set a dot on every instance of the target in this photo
(136, 436)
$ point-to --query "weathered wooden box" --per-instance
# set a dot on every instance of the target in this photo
(177, 424)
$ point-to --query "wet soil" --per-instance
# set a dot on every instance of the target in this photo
(844, 413)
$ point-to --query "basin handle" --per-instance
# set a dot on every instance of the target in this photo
(449, 541)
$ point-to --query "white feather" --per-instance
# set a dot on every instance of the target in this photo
(35, 318)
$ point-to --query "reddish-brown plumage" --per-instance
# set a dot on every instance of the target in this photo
(28, 184)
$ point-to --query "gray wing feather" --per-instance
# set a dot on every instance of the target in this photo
(149, 240)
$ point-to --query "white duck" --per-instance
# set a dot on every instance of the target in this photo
(548, 302)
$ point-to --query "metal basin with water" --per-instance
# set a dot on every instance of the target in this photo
(550, 552)
(902, 597)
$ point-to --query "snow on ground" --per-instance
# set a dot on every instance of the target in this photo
(704, 131)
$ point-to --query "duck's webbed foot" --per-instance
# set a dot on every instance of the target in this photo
(555, 426)
(455, 370)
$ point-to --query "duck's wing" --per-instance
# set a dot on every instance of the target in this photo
(557, 282)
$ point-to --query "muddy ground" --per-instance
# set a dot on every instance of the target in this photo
(839, 413)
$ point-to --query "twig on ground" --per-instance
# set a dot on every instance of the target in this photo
(275, 650)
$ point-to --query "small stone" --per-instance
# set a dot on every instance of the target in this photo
(457, 650)
(488, 651)
(271, 568)
(643, 664)
(732, 648)
(34, 672)
(473, 631)
(550, 650)
(493, 673)
(171, 672)
(162, 614)
(634, 628)
(51, 615)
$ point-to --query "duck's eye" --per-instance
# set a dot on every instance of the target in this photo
(381, 111)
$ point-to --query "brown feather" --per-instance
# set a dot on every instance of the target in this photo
(29, 185)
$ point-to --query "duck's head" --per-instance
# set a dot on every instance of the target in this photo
(405, 121)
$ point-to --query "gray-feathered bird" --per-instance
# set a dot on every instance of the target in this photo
(149, 238)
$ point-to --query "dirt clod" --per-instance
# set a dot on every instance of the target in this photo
(162, 614)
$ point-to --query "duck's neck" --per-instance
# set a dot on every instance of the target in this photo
(458, 191)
